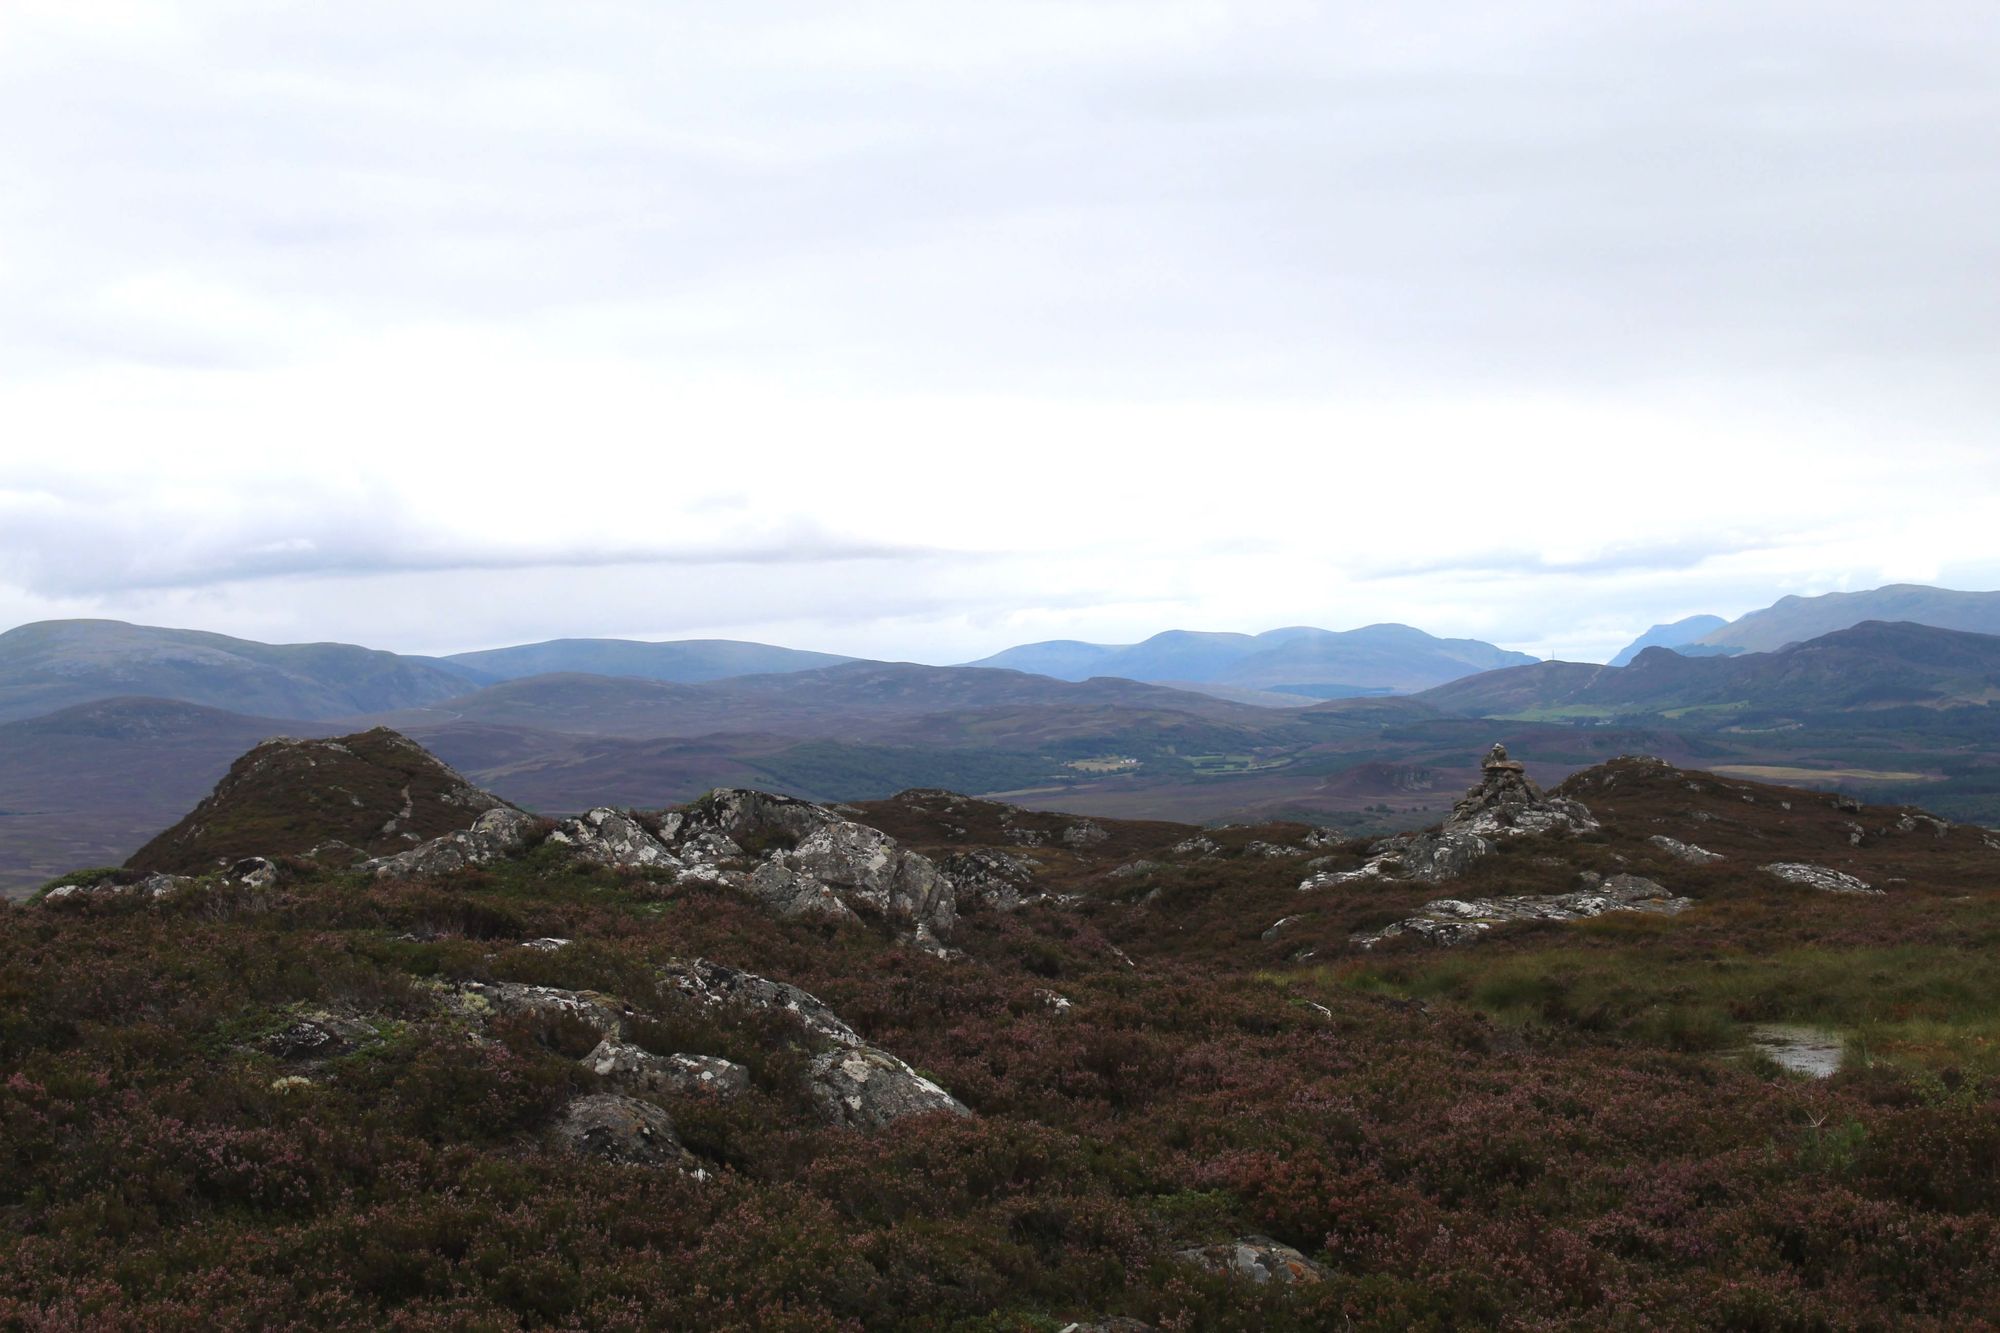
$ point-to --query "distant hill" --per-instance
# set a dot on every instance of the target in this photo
(55, 664)
(684, 661)
(1677, 635)
(1871, 666)
(1299, 660)
(86, 785)
(856, 698)
(1796, 619)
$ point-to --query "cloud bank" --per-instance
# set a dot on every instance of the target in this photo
(915, 330)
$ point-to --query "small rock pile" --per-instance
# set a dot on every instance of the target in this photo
(1505, 804)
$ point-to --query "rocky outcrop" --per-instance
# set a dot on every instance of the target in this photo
(495, 835)
(123, 884)
(485, 1000)
(1505, 804)
(1449, 921)
(1257, 1259)
(991, 878)
(846, 869)
(754, 822)
(319, 1036)
(812, 861)
(376, 791)
(607, 837)
(1684, 851)
(616, 1128)
(866, 1088)
(1819, 877)
(639, 1070)
(714, 984)
(853, 1084)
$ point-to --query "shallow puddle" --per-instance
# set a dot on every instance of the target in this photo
(1812, 1051)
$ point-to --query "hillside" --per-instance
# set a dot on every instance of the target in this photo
(1868, 667)
(684, 661)
(1796, 619)
(1715, 1052)
(1315, 663)
(55, 664)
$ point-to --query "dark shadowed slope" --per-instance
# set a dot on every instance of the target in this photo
(56, 663)
(1796, 619)
(687, 661)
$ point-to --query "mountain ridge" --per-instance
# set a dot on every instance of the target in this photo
(1296, 659)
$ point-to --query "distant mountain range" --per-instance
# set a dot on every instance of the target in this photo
(1796, 619)
(1298, 661)
(58, 663)
(1678, 636)
(1871, 666)
(684, 661)
(107, 729)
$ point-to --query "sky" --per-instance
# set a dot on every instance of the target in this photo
(916, 330)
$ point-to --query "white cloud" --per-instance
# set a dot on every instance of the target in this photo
(919, 329)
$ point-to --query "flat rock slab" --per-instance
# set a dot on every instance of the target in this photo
(1257, 1259)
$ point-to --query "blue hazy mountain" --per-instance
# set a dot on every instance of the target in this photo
(1678, 635)
(1297, 660)
(686, 661)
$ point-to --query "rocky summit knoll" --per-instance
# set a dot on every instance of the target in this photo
(349, 796)
(938, 1062)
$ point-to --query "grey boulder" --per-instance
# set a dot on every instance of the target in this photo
(624, 1130)
(865, 1088)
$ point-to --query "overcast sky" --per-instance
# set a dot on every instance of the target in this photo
(920, 329)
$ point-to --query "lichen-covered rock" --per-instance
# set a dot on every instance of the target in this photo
(862, 1087)
(124, 884)
(814, 861)
(714, 984)
(1199, 845)
(1819, 877)
(1084, 833)
(1438, 855)
(845, 866)
(1449, 921)
(609, 837)
(497, 833)
(319, 1036)
(486, 1000)
(632, 1067)
(992, 878)
(1912, 822)
(616, 1128)
(1684, 851)
(1279, 927)
(756, 820)
(1257, 1259)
